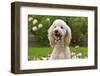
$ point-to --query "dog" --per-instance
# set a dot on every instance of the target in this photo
(59, 35)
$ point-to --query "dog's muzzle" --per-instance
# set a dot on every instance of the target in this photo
(58, 35)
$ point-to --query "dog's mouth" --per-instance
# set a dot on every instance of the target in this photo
(58, 36)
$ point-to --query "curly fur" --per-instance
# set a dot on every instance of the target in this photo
(59, 35)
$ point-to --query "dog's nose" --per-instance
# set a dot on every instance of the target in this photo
(56, 31)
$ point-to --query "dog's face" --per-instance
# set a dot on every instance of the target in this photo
(59, 31)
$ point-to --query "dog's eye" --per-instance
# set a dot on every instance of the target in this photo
(61, 27)
(55, 27)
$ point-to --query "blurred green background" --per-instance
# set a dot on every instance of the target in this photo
(38, 44)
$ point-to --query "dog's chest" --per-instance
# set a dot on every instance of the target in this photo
(60, 53)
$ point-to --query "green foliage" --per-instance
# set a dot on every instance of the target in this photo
(83, 50)
(78, 26)
(38, 52)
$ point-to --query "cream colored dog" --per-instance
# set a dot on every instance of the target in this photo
(59, 35)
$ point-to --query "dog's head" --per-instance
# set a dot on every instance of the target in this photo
(59, 31)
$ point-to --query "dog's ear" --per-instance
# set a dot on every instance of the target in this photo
(50, 36)
(50, 28)
(67, 37)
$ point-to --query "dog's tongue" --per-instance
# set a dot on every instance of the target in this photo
(58, 38)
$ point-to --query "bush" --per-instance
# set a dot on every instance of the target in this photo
(38, 26)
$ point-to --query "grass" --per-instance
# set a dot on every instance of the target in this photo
(38, 52)
(83, 50)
